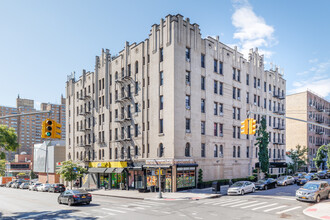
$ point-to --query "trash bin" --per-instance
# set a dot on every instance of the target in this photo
(153, 188)
(216, 186)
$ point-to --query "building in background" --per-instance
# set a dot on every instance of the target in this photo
(174, 101)
(313, 108)
(28, 128)
(53, 152)
(21, 164)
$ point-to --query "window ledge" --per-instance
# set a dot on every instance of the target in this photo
(161, 134)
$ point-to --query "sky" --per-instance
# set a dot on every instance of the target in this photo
(42, 42)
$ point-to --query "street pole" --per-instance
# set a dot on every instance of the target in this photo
(46, 160)
(160, 185)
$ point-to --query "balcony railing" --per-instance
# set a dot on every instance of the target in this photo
(319, 132)
(84, 113)
(84, 97)
(319, 120)
(319, 109)
(83, 144)
(279, 127)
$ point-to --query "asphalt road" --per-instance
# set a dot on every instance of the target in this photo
(276, 203)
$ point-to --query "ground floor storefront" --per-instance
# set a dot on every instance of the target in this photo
(169, 175)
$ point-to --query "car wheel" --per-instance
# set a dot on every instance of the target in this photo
(266, 187)
(253, 189)
(318, 198)
(59, 201)
(87, 203)
(285, 184)
(242, 192)
(70, 202)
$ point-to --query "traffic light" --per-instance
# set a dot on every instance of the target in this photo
(245, 126)
(252, 126)
(50, 129)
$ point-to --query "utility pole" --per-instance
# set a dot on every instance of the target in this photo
(160, 185)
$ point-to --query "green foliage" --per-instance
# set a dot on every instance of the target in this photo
(321, 155)
(252, 178)
(2, 167)
(8, 140)
(262, 143)
(298, 157)
(33, 175)
(71, 171)
(200, 175)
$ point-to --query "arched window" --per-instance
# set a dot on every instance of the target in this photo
(89, 155)
(161, 150)
(234, 151)
(238, 151)
(215, 150)
(116, 153)
(187, 150)
(116, 75)
(136, 151)
(136, 67)
(221, 151)
(129, 152)
(122, 153)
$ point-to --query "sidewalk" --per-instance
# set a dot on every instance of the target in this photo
(319, 211)
(193, 194)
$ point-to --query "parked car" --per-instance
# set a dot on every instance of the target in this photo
(296, 176)
(24, 185)
(43, 187)
(303, 180)
(312, 176)
(34, 186)
(266, 184)
(322, 174)
(57, 187)
(16, 184)
(241, 187)
(76, 196)
(285, 180)
(9, 184)
(313, 191)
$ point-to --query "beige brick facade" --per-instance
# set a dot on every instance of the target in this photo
(191, 75)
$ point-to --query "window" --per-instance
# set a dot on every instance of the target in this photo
(234, 74)
(255, 99)
(187, 78)
(247, 97)
(234, 131)
(221, 130)
(129, 152)
(234, 93)
(161, 78)
(270, 121)
(220, 68)
(215, 129)
(161, 126)
(136, 130)
(187, 150)
(247, 152)
(203, 61)
(234, 112)
(238, 75)
(128, 131)
(238, 151)
(122, 153)
(238, 114)
(161, 150)
(136, 67)
(202, 82)
(270, 88)
(136, 150)
(270, 105)
(161, 102)
(215, 108)
(203, 150)
(258, 101)
(255, 82)
(188, 54)
(203, 105)
(238, 94)
(187, 125)
(221, 88)
(220, 109)
(187, 101)
(136, 88)
(215, 68)
(258, 83)
(161, 55)
(136, 107)
(265, 86)
(203, 127)
(215, 151)
(265, 103)
(247, 79)
(215, 87)
(129, 69)
(234, 151)
(221, 151)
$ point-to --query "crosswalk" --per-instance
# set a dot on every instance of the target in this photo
(250, 204)
(118, 209)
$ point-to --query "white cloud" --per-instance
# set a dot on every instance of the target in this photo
(251, 30)
(321, 87)
(313, 60)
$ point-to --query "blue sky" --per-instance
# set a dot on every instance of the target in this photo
(41, 42)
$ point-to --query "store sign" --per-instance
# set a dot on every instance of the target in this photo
(169, 161)
(183, 161)
(118, 164)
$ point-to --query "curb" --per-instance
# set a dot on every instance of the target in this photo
(312, 209)
(124, 197)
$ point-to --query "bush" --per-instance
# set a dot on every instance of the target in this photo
(252, 178)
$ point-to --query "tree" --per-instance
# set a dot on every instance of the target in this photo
(322, 157)
(33, 175)
(298, 157)
(71, 171)
(262, 143)
(200, 176)
(8, 140)
(2, 167)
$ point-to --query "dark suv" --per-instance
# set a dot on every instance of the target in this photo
(57, 187)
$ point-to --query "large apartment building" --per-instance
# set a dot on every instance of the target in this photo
(310, 107)
(28, 128)
(174, 101)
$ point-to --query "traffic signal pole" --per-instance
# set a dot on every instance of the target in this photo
(24, 114)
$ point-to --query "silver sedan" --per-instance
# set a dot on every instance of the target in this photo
(241, 187)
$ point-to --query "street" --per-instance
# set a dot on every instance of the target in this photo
(276, 203)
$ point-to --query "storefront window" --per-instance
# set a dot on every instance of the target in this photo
(185, 177)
